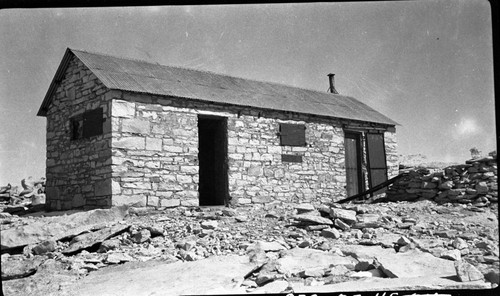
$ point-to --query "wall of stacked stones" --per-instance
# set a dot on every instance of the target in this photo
(475, 182)
(155, 150)
(155, 153)
(391, 154)
(258, 175)
(77, 171)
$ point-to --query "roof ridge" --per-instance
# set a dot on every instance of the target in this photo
(208, 72)
(114, 56)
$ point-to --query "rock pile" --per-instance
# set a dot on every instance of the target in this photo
(19, 201)
(292, 246)
(474, 182)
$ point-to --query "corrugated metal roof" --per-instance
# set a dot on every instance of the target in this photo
(144, 77)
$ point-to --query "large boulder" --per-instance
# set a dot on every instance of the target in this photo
(28, 183)
(44, 247)
(141, 236)
(56, 228)
(466, 272)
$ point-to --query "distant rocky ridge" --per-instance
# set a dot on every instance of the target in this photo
(420, 160)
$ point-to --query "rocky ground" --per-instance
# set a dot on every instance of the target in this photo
(274, 247)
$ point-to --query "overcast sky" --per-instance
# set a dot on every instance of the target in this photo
(426, 64)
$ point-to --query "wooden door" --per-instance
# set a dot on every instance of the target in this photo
(377, 165)
(354, 177)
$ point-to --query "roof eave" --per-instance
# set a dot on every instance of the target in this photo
(388, 122)
(55, 81)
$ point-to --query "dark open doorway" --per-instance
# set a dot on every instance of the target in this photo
(212, 154)
(353, 157)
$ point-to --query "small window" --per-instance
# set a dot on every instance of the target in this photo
(87, 125)
(292, 134)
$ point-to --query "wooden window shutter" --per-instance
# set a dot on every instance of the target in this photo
(377, 165)
(92, 123)
(292, 134)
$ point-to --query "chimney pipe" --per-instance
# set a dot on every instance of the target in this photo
(332, 84)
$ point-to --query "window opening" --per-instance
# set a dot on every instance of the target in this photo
(292, 134)
(87, 125)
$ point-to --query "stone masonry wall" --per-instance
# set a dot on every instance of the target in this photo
(155, 153)
(474, 182)
(391, 154)
(77, 171)
(257, 174)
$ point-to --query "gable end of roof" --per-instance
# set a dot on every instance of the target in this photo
(55, 83)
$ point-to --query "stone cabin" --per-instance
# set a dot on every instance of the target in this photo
(123, 131)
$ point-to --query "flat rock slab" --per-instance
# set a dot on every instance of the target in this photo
(51, 278)
(304, 208)
(56, 228)
(348, 216)
(365, 252)
(393, 284)
(218, 274)
(413, 263)
(313, 219)
(278, 286)
(266, 246)
(429, 243)
(361, 225)
(296, 260)
(388, 238)
(87, 240)
(15, 269)
(115, 258)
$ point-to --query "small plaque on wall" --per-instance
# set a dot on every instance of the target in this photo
(291, 158)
